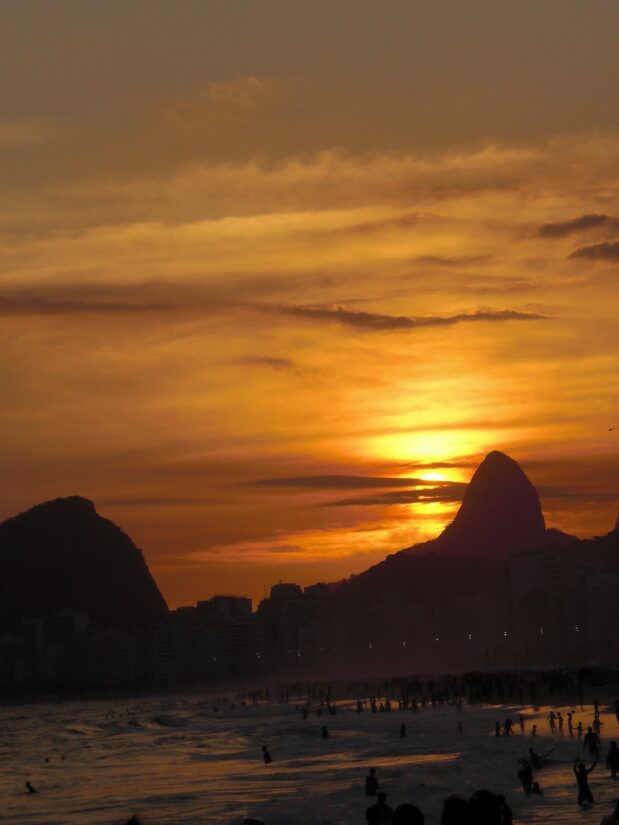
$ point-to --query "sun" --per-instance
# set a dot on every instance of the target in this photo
(432, 476)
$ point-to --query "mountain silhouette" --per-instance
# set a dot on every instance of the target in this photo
(61, 555)
(500, 513)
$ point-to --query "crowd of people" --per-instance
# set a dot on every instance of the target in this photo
(484, 807)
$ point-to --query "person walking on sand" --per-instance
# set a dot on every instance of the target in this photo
(552, 722)
(30, 788)
(581, 772)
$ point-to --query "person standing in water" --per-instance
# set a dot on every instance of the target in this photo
(266, 756)
(371, 783)
(581, 772)
(591, 742)
(612, 760)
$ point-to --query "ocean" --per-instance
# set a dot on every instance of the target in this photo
(186, 759)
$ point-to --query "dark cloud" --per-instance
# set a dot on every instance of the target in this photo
(452, 491)
(598, 252)
(457, 260)
(331, 482)
(43, 306)
(277, 364)
(590, 221)
(377, 322)
(148, 502)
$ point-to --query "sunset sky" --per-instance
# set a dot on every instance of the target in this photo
(276, 275)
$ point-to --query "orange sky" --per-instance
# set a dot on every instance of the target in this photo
(267, 266)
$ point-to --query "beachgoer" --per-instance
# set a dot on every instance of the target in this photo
(380, 813)
(371, 783)
(591, 742)
(612, 819)
(612, 760)
(581, 772)
(266, 755)
(407, 814)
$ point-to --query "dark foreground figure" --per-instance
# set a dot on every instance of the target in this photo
(380, 813)
(585, 797)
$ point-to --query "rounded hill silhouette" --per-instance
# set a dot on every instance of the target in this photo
(62, 555)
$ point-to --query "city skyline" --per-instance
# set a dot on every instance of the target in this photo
(273, 284)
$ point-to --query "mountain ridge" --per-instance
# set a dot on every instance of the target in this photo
(62, 555)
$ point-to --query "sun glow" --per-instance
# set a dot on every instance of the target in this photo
(432, 476)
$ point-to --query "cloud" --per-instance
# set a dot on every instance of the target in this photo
(452, 491)
(378, 322)
(25, 133)
(43, 306)
(338, 481)
(455, 261)
(274, 363)
(598, 252)
(584, 222)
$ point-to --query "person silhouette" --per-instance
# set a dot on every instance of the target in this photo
(591, 742)
(266, 755)
(324, 733)
(612, 819)
(371, 783)
(403, 733)
(612, 760)
(30, 788)
(581, 772)
(507, 817)
(534, 759)
(525, 775)
(407, 814)
(536, 789)
(380, 813)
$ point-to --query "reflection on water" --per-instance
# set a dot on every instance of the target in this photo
(179, 761)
